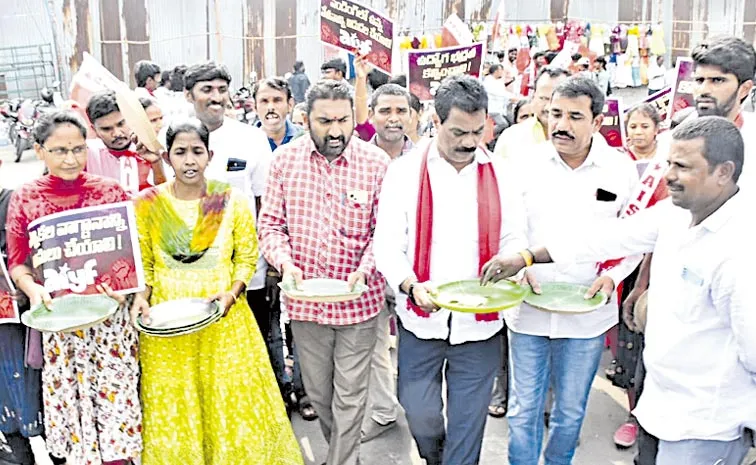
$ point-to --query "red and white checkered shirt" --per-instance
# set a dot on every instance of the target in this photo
(321, 217)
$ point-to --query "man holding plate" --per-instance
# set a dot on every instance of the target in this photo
(317, 221)
(445, 209)
(572, 179)
(700, 352)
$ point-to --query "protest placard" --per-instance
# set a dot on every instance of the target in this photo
(348, 25)
(427, 68)
(613, 127)
(660, 100)
(682, 88)
(75, 250)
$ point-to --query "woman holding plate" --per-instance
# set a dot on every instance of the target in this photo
(90, 377)
(209, 397)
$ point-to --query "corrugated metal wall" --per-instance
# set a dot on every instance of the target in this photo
(241, 33)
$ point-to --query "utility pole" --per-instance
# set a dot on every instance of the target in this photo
(50, 4)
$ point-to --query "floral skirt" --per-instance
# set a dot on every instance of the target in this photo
(90, 384)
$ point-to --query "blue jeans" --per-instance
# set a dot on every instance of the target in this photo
(570, 365)
(700, 452)
(469, 369)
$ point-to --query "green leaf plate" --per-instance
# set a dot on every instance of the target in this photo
(565, 298)
(469, 296)
(322, 290)
(71, 312)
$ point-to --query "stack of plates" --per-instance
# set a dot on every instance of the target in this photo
(322, 290)
(180, 317)
(71, 312)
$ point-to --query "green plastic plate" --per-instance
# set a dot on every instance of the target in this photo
(70, 313)
(565, 298)
(322, 290)
(469, 296)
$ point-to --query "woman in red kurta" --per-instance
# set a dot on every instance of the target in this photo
(642, 130)
(90, 377)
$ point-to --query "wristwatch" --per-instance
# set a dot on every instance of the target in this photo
(411, 293)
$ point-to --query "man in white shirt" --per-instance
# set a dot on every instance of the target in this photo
(574, 178)
(657, 75)
(700, 351)
(147, 77)
(241, 153)
(498, 95)
(433, 227)
(724, 74)
(390, 115)
(519, 140)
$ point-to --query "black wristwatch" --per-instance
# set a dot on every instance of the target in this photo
(411, 293)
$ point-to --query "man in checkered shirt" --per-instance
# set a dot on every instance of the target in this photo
(317, 221)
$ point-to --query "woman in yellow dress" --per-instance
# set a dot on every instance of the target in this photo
(209, 397)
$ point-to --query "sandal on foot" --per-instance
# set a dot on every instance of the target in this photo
(497, 411)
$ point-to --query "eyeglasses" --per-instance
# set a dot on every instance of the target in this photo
(62, 151)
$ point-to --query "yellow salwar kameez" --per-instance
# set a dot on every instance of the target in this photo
(209, 397)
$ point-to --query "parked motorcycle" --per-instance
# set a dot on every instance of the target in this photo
(28, 113)
(244, 106)
(9, 113)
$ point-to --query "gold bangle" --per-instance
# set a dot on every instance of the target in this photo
(527, 255)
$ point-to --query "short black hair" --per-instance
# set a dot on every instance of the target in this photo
(276, 83)
(645, 109)
(400, 80)
(578, 86)
(337, 63)
(205, 72)
(298, 66)
(101, 104)
(187, 125)
(328, 89)
(463, 92)
(550, 56)
(177, 78)
(415, 103)
(538, 55)
(377, 78)
(495, 67)
(512, 49)
(553, 72)
(723, 141)
(147, 102)
(730, 54)
(144, 70)
(576, 56)
(49, 122)
(165, 77)
(500, 55)
(389, 89)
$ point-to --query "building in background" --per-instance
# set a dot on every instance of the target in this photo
(265, 37)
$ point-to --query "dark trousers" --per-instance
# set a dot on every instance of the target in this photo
(647, 444)
(469, 369)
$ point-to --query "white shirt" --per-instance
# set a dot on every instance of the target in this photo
(656, 76)
(498, 95)
(556, 196)
(700, 353)
(454, 253)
